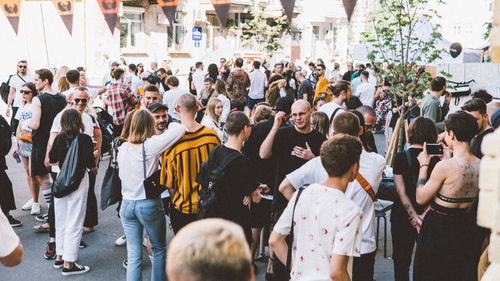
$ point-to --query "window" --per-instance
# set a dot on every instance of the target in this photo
(130, 28)
(177, 32)
(316, 32)
(296, 36)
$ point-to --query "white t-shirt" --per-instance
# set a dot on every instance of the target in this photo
(226, 107)
(198, 78)
(209, 123)
(170, 99)
(24, 115)
(366, 93)
(329, 108)
(326, 223)
(257, 82)
(8, 238)
(133, 82)
(87, 122)
(371, 167)
(17, 83)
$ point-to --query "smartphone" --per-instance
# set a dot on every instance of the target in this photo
(16, 156)
(434, 149)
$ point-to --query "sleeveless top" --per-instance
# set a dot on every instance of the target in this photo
(50, 106)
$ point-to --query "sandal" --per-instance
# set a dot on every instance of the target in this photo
(87, 230)
(42, 227)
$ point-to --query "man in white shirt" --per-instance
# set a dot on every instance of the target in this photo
(335, 74)
(371, 167)
(11, 250)
(15, 98)
(258, 81)
(325, 223)
(198, 78)
(132, 80)
(365, 91)
(171, 97)
(341, 93)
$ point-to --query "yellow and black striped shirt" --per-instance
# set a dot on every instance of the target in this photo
(181, 164)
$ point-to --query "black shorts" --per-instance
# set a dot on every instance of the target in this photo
(38, 152)
(260, 214)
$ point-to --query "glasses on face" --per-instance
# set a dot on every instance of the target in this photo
(25, 92)
(80, 100)
(300, 114)
(22, 66)
(318, 69)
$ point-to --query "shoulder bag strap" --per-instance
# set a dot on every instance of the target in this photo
(21, 78)
(289, 254)
(144, 160)
(333, 114)
(366, 186)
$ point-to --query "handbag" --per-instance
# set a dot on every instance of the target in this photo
(152, 185)
(25, 136)
(111, 190)
(289, 238)
(71, 174)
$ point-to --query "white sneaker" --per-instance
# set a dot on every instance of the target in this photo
(35, 209)
(122, 240)
(27, 206)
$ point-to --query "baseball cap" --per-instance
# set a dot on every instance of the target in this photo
(114, 64)
(155, 106)
(132, 67)
(495, 119)
(284, 104)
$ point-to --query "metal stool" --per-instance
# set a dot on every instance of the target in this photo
(380, 214)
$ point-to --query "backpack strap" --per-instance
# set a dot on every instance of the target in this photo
(228, 159)
(333, 114)
(366, 186)
(289, 254)
(20, 78)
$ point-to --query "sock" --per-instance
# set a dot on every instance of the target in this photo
(47, 194)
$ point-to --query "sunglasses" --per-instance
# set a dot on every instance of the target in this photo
(25, 92)
(80, 100)
(22, 66)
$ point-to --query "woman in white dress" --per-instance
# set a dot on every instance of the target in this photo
(213, 116)
(223, 95)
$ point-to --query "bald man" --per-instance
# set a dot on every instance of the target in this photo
(181, 163)
(370, 120)
(291, 147)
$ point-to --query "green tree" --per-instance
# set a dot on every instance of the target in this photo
(262, 33)
(400, 54)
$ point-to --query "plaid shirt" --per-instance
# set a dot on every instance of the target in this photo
(122, 100)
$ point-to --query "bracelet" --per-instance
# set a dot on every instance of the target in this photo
(424, 165)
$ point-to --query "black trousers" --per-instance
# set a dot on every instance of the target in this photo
(52, 219)
(13, 121)
(91, 213)
(179, 219)
(404, 236)
(362, 267)
(6, 194)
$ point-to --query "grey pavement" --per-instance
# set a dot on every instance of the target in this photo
(104, 258)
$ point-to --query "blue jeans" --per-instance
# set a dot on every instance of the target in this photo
(147, 214)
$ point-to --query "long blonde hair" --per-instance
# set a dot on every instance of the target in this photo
(221, 89)
(210, 111)
(142, 126)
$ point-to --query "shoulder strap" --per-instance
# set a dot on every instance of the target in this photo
(21, 78)
(333, 114)
(228, 159)
(289, 254)
(144, 160)
(366, 186)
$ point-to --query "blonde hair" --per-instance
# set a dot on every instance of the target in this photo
(209, 250)
(262, 112)
(321, 122)
(210, 111)
(60, 78)
(126, 127)
(221, 89)
(142, 126)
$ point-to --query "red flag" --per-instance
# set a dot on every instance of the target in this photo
(169, 7)
(288, 6)
(65, 10)
(221, 9)
(349, 7)
(109, 9)
(12, 10)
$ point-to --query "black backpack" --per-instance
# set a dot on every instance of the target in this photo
(5, 89)
(208, 176)
(5, 137)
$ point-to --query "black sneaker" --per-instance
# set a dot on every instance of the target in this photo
(42, 218)
(125, 263)
(50, 253)
(77, 269)
(13, 222)
(59, 264)
(82, 245)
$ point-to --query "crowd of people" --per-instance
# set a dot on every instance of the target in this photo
(242, 150)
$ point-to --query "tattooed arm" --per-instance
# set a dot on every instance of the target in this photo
(426, 189)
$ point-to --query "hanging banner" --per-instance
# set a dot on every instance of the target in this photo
(65, 10)
(349, 7)
(221, 10)
(12, 9)
(169, 7)
(288, 7)
(109, 9)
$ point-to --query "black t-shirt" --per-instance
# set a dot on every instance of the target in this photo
(306, 88)
(410, 177)
(50, 106)
(475, 143)
(238, 181)
(286, 162)
(85, 151)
